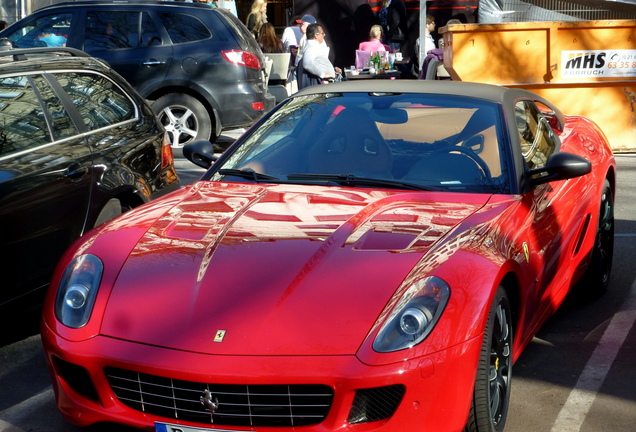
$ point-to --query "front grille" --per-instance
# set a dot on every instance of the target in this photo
(238, 405)
(375, 403)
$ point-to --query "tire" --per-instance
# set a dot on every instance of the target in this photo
(491, 395)
(596, 278)
(184, 117)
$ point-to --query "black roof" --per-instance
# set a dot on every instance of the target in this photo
(488, 92)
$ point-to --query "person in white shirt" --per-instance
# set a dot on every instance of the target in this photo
(294, 33)
(315, 54)
(429, 42)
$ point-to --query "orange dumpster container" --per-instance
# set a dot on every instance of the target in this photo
(584, 67)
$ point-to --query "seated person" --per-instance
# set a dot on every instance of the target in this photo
(433, 57)
(268, 40)
(375, 40)
(51, 39)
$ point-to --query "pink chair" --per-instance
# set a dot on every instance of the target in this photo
(362, 59)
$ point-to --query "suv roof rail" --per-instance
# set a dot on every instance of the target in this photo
(124, 2)
(20, 54)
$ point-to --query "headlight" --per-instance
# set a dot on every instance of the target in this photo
(414, 316)
(77, 291)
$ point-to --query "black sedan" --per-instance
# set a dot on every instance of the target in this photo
(78, 146)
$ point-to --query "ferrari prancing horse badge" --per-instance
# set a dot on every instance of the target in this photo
(220, 334)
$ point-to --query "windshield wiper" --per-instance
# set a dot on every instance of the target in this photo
(248, 174)
(352, 180)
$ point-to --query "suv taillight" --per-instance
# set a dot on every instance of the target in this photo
(242, 58)
(167, 158)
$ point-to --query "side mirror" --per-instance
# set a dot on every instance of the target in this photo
(560, 166)
(200, 153)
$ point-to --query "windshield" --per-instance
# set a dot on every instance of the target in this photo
(413, 141)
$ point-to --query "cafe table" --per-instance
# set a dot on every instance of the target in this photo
(362, 74)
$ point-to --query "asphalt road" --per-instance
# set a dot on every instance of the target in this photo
(577, 375)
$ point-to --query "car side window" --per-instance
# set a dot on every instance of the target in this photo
(149, 33)
(99, 101)
(107, 31)
(536, 136)
(48, 30)
(238, 27)
(184, 28)
(22, 122)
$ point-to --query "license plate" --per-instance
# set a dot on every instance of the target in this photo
(167, 427)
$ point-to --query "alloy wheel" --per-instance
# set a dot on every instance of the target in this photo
(500, 362)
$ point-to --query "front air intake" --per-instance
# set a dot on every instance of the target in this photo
(375, 403)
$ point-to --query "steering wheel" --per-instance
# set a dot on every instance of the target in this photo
(469, 153)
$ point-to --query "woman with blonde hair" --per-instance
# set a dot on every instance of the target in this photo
(257, 17)
(375, 40)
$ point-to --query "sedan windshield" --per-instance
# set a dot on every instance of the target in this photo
(378, 140)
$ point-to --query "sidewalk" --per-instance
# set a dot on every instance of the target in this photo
(226, 139)
(230, 136)
(220, 145)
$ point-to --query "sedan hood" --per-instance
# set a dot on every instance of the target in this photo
(275, 270)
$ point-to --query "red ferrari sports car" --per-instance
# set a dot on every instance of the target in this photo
(371, 256)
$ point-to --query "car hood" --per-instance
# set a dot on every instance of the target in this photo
(245, 269)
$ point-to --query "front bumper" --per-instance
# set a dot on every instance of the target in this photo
(437, 388)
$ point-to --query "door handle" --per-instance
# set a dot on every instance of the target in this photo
(153, 62)
(75, 171)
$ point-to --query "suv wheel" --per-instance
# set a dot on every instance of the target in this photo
(184, 117)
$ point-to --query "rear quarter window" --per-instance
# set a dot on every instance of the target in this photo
(99, 101)
(239, 29)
